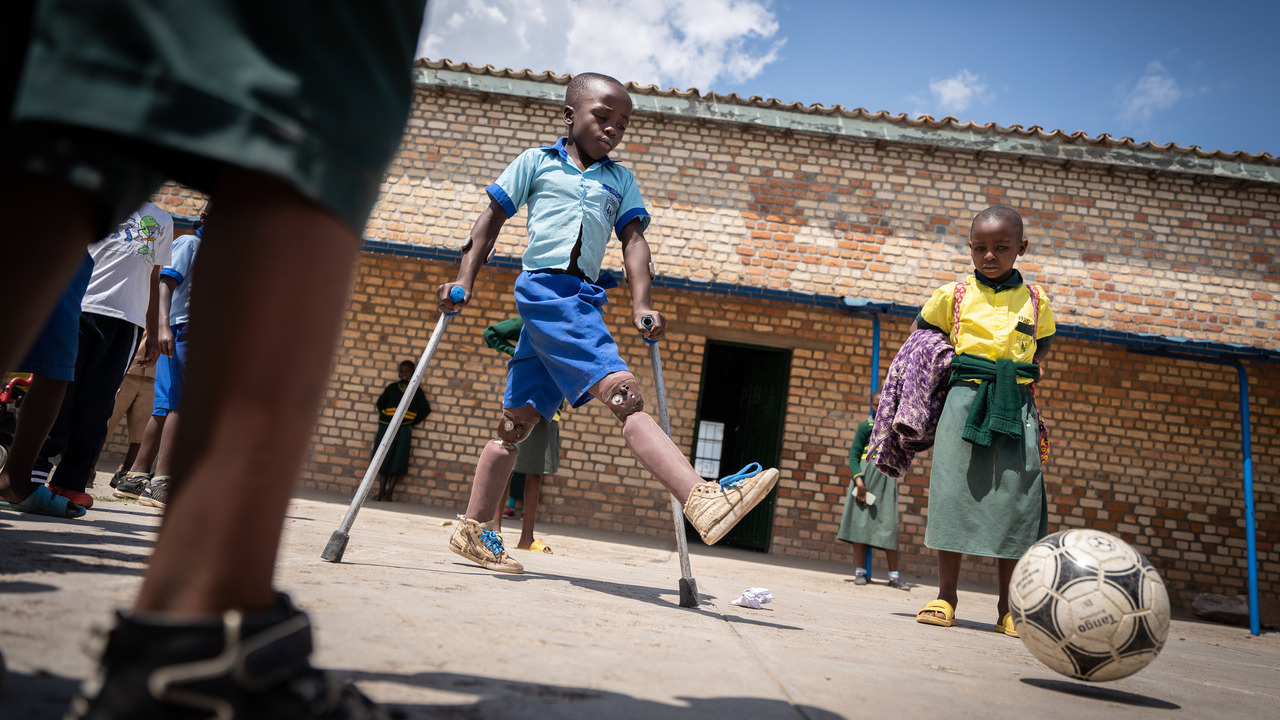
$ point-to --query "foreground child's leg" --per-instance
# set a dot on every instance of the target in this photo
(208, 630)
(238, 459)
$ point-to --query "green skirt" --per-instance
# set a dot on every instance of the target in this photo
(985, 501)
(875, 525)
(540, 452)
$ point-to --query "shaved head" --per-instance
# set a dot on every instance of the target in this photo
(583, 83)
(1001, 213)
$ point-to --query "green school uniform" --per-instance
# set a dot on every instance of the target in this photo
(875, 525)
(988, 501)
(397, 460)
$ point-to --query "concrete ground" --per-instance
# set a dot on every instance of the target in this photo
(596, 630)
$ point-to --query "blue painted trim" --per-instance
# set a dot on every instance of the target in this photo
(1139, 341)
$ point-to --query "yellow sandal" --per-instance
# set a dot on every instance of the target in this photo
(1006, 626)
(937, 606)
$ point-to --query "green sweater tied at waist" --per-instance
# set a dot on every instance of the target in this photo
(997, 408)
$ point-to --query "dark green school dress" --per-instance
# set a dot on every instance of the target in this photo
(397, 460)
(875, 525)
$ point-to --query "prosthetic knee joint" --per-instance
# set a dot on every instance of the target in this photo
(516, 424)
(621, 393)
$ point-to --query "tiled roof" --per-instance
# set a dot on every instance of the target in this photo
(1079, 146)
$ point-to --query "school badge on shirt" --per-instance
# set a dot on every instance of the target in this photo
(609, 205)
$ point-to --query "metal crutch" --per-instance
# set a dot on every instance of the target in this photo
(688, 586)
(338, 540)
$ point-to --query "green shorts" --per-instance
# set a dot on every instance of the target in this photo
(122, 94)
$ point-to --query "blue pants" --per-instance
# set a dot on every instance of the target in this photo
(107, 345)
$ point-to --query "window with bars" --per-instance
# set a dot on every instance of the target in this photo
(706, 458)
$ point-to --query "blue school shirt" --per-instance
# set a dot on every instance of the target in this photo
(184, 254)
(600, 200)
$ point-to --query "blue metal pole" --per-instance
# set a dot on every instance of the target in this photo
(875, 384)
(1250, 531)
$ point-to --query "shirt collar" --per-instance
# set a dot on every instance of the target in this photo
(564, 154)
(1014, 280)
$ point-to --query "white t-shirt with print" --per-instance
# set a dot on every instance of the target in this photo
(122, 265)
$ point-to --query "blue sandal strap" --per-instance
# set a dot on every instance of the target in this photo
(736, 479)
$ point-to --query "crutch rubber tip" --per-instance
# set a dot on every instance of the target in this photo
(337, 545)
(688, 592)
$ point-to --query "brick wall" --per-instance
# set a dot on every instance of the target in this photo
(1146, 447)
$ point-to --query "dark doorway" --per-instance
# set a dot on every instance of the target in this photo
(740, 420)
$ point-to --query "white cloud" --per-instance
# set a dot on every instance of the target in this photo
(955, 94)
(1156, 91)
(669, 43)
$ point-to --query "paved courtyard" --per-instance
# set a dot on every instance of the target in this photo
(596, 630)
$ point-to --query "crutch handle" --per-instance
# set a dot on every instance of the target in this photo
(456, 295)
(647, 322)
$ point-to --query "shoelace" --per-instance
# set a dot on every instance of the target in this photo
(736, 479)
(493, 541)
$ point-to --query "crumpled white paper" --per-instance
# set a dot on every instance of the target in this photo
(753, 598)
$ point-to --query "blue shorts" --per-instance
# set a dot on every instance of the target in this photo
(170, 372)
(53, 355)
(564, 347)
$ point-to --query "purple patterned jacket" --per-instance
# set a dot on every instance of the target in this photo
(911, 400)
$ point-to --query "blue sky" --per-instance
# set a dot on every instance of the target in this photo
(1193, 73)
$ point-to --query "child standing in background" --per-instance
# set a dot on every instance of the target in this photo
(986, 485)
(871, 507)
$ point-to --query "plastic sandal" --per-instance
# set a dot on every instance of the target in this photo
(44, 502)
(938, 606)
(1006, 626)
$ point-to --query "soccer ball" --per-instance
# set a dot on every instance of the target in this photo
(1088, 605)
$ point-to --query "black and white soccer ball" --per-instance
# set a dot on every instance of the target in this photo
(1088, 605)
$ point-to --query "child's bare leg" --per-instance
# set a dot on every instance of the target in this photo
(29, 297)
(145, 460)
(392, 479)
(891, 559)
(168, 440)
(532, 489)
(273, 278)
(948, 579)
(129, 457)
(35, 418)
(1004, 568)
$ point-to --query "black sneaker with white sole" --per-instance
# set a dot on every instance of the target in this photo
(131, 486)
(236, 666)
(156, 494)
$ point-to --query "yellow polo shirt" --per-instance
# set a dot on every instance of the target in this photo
(994, 323)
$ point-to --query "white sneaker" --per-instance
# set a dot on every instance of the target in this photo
(715, 507)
